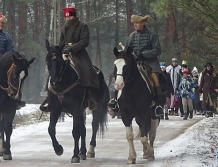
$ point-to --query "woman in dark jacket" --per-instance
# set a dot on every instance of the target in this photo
(206, 87)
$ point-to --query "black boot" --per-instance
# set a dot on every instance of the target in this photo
(185, 116)
(92, 104)
(166, 116)
(190, 114)
(113, 105)
(158, 101)
(44, 106)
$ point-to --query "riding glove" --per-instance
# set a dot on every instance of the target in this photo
(67, 50)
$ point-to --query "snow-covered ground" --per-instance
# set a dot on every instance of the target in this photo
(194, 148)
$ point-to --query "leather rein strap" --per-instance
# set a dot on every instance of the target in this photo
(61, 94)
(9, 74)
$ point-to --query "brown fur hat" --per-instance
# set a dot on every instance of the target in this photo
(3, 18)
(139, 19)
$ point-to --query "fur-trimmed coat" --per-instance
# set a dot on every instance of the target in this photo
(77, 33)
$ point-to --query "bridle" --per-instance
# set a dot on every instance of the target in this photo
(61, 94)
(10, 85)
(127, 77)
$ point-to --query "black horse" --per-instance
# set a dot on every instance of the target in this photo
(13, 71)
(66, 94)
(135, 101)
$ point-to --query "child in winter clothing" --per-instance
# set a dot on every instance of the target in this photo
(186, 91)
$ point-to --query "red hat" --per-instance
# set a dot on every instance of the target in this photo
(185, 71)
(69, 11)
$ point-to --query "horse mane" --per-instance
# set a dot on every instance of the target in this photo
(6, 60)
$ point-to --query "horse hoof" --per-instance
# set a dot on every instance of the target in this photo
(82, 157)
(75, 160)
(59, 151)
(131, 161)
(151, 158)
(90, 155)
(7, 157)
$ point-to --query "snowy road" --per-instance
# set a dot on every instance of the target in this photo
(31, 145)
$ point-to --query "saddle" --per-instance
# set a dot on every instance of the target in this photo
(151, 79)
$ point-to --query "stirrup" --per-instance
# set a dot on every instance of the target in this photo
(160, 113)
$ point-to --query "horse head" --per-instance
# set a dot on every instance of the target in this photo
(16, 74)
(123, 67)
(55, 63)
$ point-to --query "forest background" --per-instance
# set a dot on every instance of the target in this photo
(188, 30)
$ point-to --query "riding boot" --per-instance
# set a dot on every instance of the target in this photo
(158, 102)
(112, 104)
(92, 104)
(44, 106)
(190, 114)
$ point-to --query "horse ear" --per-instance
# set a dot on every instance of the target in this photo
(47, 44)
(15, 60)
(116, 52)
(129, 51)
(31, 61)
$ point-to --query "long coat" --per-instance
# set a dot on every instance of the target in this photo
(205, 86)
(77, 33)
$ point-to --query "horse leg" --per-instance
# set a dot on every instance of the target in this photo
(147, 149)
(153, 130)
(9, 117)
(52, 132)
(2, 128)
(95, 127)
(76, 135)
(130, 138)
(83, 150)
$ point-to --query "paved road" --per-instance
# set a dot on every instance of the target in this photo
(31, 145)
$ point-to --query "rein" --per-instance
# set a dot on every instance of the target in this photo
(9, 75)
(61, 94)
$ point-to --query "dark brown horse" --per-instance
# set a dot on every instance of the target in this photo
(135, 101)
(13, 71)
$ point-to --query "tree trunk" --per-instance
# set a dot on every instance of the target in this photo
(117, 24)
(22, 26)
(129, 13)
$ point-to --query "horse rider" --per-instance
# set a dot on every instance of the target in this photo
(6, 45)
(146, 49)
(73, 40)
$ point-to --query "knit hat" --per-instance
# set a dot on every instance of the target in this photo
(162, 64)
(185, 71)
(195, 70)
(2, 18)
(139, 18)
(69, 11)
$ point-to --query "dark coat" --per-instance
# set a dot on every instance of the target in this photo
(147, 43)
(169, 83)
(205, 85)
(77, 33)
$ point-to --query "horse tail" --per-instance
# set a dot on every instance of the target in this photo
(103, 101)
